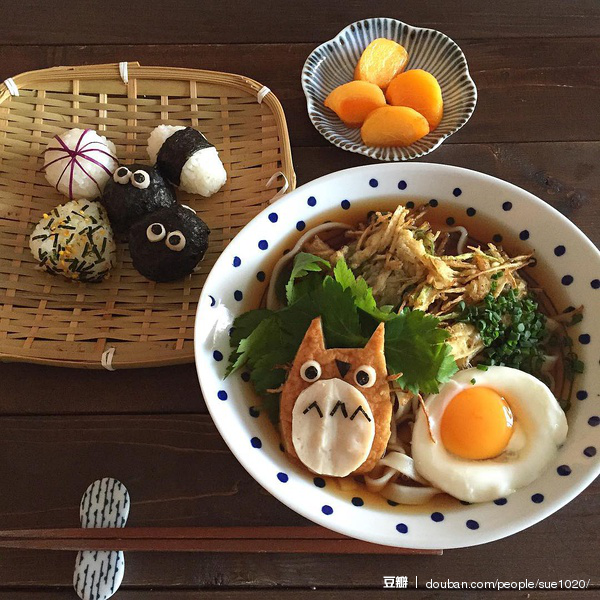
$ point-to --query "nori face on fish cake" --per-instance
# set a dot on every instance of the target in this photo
(163, 259)
(126, 200)
(176, 150)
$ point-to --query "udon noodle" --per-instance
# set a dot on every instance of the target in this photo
(409, 264)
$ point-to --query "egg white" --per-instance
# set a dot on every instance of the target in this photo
(540, 429)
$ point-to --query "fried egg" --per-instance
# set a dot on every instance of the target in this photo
(491, 432)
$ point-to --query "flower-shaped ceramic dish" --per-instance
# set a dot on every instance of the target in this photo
(566, 260)
(333, 63)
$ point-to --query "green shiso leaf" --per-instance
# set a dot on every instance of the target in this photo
(416, 346)
(304, 263)
(267, 341)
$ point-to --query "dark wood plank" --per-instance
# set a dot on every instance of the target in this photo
(524, 96)
(233, 21)
(38, 390)
(406, 594)
(565, 174)
(568, 534)
(166, 462)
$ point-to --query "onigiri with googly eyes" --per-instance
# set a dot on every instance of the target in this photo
(133, 192)
(168, 244)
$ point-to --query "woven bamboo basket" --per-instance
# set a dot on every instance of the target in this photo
(125, 321)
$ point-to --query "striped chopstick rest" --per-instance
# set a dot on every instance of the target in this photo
(99, 573)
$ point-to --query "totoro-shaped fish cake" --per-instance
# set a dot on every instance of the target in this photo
(335, 410)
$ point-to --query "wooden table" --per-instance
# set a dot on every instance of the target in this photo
(537, 67)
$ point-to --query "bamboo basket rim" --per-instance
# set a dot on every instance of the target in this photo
(30, 80)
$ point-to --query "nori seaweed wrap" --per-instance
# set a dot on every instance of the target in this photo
(168, 244)
(134, 191)
(177, 149)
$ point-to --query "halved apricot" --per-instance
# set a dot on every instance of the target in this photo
(393, 126)
(353, 101)
(420, 90)
(380, 62)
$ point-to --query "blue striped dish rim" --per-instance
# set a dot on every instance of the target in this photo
(395, 153)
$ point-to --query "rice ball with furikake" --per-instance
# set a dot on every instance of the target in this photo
(169, 243)
(187, 159)
(75, 240)
(134, 191)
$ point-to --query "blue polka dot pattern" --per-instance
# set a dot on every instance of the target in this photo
(212, 300)
(300, 225)
(567, 280)
(319, 482)
(433, 203)
(595, 283)
(261, 276)
(564, 470)
(472, 524)
(357, 501)
(537, 498)
(373, 183)
(345, 204)
(497, 238)
(559, 250)
(438, 517)
(590, 451)
(263, 244)
(245, 376)
(312, 201)
(392, 503)
(450, 221)
(256, 443)
(506, 206)
(254, 412)
(326, 509)
(471, 212)
(594, 421)
(584, 338)
(222, 395)
(456, 192)
(402, 528)
(218, 356)
(410, 205)
(524, 235)
(273, 217)
(402, 185)
(237, 261)
(283, 477)
(500, 501)
(581, 395)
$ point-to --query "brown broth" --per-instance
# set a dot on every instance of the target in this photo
(481, 230)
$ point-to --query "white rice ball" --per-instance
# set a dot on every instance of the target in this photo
(203, 173)
(75, 240)
(79, 162)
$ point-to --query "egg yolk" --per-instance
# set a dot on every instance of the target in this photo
(477, 424)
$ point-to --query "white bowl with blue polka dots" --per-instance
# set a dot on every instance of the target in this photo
(237, 282)
(332, 64)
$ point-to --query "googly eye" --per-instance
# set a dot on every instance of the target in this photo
(121, 175)
(155, 232)
(175, 241)
(365, 376)
(140, 179)
(310, 371)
